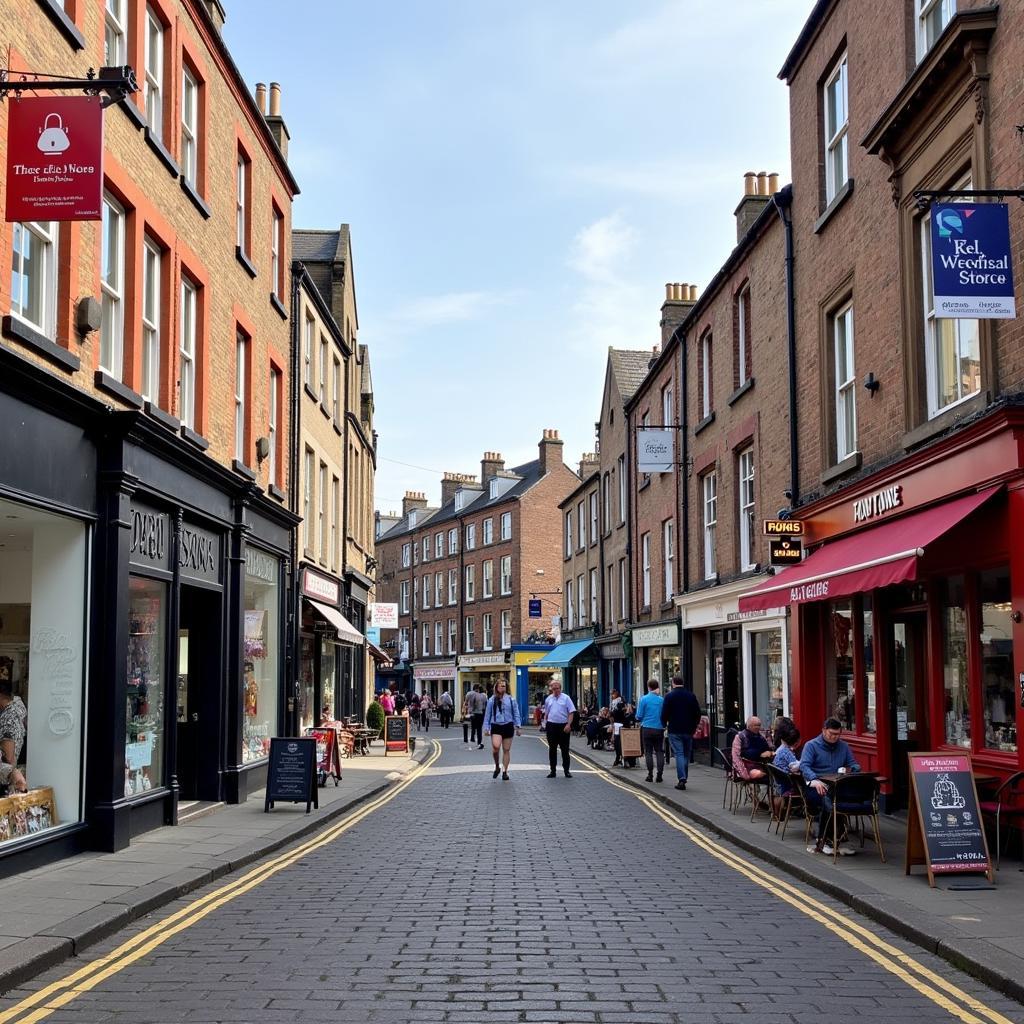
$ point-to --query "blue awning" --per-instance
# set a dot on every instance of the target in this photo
(563, 654)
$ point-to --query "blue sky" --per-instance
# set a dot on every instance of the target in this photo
(521, 180)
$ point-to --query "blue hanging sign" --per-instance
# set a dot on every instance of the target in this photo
(535, 608)
(971, 273)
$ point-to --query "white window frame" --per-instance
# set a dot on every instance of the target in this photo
(307, 350)
(925, 10)
(438, 545)
(488, 533)
(746, 507)
(470, 632)
(439, 589)
(187, 366)
(506, 629)
(241, 202)
(469, 585)
(307, 500)
(606, 500)
(623, 592)
(705, 375)
(336, 396)
(112, 289)
(581, 599)
(844, 398)
(593, 518)
(622, 488)
(335, 517)
(153, 60)
(470, 536)
(438, 637)
(506, 526)
(276, 247)
(487, 632)
(190, 126)
(837, 155)
(453, 635)
(403, 589)
(453, 586)
(427, 583)
(668, 542)
(323, 369)
(406, 554)
(593, 596)
(241, 343)
(426, 640)
(568, 534)
(645, 570)
(426, 549)
(453, 541)
(709, 493)
(505, 575)
(151, 271)
(115, 35)
(581, 526)
(43, 235)
(742, 332)
(488, 578)
(668, 417)
(324, 516)
(570, 605)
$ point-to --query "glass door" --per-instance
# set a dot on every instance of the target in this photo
(909, 720)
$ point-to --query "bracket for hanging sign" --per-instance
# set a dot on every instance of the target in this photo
(924, 198)
(114, 82)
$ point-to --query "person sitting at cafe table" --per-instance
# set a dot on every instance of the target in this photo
(787, 736)
(749, 744)
(826, 754)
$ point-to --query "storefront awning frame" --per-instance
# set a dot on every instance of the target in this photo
(563, 655)
(347, 633)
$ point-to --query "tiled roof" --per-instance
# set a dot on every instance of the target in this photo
(315, 246)
(402, 526)
(630, 368)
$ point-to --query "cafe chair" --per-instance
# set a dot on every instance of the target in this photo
(759, 790)
(1007, 803)
(854, 799)
(792, 799)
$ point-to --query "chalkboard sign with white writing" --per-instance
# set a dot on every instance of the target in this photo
(396, 734)
(291, 772)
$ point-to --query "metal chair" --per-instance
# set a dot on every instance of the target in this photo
(759, 789)
(790, 794)
(854, 798)
(1006, 803)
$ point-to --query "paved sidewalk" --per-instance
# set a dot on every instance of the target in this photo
(979, 930)
(56, 911)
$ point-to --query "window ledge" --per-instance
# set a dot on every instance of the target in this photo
(194, 438)
(279, 306)
(161, 151)
(67, 27)
(40, 344)
(245, 261)
(337, 428)
(704, 423)
(164, 418)
(644, 483)
(741, 391)
(105, 382)
(197, 199)
(837, 200)
(945, 420)
(848, 465)
(667, 606)
(240, 467)
(326, 411)
(133, 113)
(310, 392)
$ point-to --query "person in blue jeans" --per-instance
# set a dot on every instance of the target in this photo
(680, 714)
(824, 754)
(652, 733)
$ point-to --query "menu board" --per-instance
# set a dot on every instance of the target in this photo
(291, 772)
(328, 756)
(396, 734)
(945, 831)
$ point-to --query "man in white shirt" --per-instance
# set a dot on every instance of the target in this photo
(556, 722)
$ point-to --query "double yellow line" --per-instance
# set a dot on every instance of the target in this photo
(943, 993)
(41, 1004)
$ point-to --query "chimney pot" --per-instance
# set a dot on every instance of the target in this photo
(749, 183)
(275, 99)
(773, 183)
(261, 98)
(762, 183)
(693, 293)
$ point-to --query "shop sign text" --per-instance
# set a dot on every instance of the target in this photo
(320, 587)
(149, 538)
(878, 504)
(260, 566)
(198, 554)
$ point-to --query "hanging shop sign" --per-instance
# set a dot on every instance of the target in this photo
(384, 615)
(535, 612)
(655, 450)
(55, 158)
(785, 550)
(373, 635)
(783, 527)
(971, 273)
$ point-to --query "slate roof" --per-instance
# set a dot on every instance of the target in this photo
(402, 526)
(630, 367)
(315, 246)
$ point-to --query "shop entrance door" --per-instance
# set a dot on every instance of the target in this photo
(908, 714)
(198, 688)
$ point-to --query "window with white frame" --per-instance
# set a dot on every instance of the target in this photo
(705, 375)
(568, 534)
(189, 126)
(506, 525)
(709, 488)
(426, 549)
(150, 384)
(34, 275)
(453, 585)
(276, 248)
(581, 526)
(469, 632)
(623, 591)
(439, 545)
(438, 589)
(932, 17)
(403, 589)
(112, 288)
(593, 518)
(426, 590)
(336, 391)
(837, 122)
(488, 531)
(324, 513)
(403, 643)
(488, 578)
(581, 599)
(609, 595)
(452, 636)
(187, 366)
(426, 640)
(570, 609)
(668, 549)
(668, 412)
(469, 587)
(746, 509)
(335, 518)
(307, 351)
(242, 203)
(241, 353)
(506, 628)
(488, 632)
(645, 422)
(471, 536)
(153, 88)
(115, 38)
(593, 596)
(438, 637)
(621, 466)
(606, 500)
(645, 570)
(952, 347)
(323, 370)
(406, 555)
(307, 501)
(845, 393)
(506, 574)
(743, 335)
(453, 541)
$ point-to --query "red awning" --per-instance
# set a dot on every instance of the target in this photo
(876, 557)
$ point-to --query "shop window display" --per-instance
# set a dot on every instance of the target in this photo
(42, 620)
(144, 724)
(307, 689)
(328, 662)
(868, 663)
(260, 657)
(769, 698)
(839, 664)
(997, 689)
(954, 662)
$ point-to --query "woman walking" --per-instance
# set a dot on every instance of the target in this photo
(501, 722)
(426, 706)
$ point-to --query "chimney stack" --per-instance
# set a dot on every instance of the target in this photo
(589, 462)
(451, 482)
(490, 465)
(679, 300)
(275, 122)
(413, 499)
(550, 451)
(757, 193)
(217, 14)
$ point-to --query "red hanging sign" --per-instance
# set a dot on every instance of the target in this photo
(55, 159)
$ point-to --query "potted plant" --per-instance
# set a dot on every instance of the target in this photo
(375, 718)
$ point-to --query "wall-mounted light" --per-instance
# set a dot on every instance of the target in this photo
(872, 383)
(262, 449)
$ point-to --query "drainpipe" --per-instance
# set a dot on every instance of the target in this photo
(783, 201)
(292, 676)
(684, 449)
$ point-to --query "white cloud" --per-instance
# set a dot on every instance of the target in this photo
(599, 249)
(448, 308)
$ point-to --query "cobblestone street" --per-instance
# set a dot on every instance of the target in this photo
(467, 900)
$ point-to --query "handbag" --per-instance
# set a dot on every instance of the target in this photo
(630, 741)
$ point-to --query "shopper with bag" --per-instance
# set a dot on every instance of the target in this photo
(502, 721)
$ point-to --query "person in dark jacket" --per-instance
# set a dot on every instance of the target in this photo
(680, 714)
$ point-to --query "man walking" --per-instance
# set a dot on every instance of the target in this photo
(477, 702)
(556, 723)
(445, 707)
(652, 735)
(681, 714)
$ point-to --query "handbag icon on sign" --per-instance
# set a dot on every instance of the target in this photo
(53, 138)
